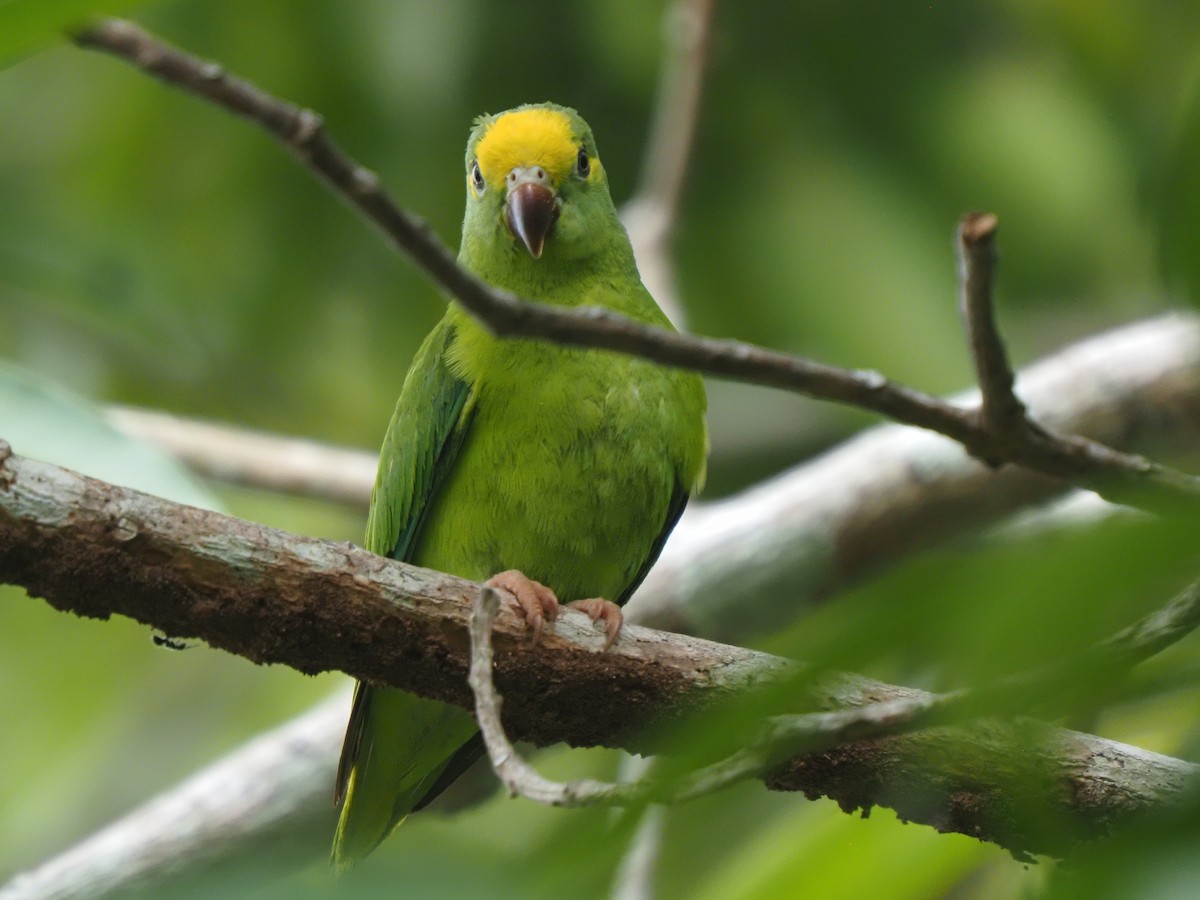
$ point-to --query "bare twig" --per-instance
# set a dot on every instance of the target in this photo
(270, 596)
(999, 408)
(1138, 384)
(1081, 461)
(518, 776)
(787, 745)
(783, 738)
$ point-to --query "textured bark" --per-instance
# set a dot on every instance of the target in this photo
(96, 549)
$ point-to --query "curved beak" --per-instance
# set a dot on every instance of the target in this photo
(532, 212)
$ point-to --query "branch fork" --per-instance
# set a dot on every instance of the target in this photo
(1001, 415)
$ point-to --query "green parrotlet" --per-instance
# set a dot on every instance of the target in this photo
(554, 473)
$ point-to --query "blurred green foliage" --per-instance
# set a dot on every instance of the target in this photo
(30, 25)
(156, 251)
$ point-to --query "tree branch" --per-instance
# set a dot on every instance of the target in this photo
(788, 737)
(1119, 475)
(893, 492)
(1157, 631)
(1138, 384)
(262, 809)
(825, 524)
(782, 739)
(256, 459)
(97, 549)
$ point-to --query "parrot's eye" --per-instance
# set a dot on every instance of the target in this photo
(583, 165)
(477, 177)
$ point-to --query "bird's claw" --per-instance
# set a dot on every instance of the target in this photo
(539, 605)
(536, 602)
(598, 608)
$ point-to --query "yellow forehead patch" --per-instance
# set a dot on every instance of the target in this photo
(527, 137)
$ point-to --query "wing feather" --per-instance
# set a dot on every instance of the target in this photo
(432, 417)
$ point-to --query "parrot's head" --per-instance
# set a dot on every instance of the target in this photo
(535, 186)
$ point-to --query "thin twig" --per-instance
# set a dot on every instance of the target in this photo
(1081, 461)
(518, 776)
(788, 737)
(783, 738)
(1159, 630)
(1000, 409)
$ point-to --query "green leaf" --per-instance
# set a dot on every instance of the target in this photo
(815, 850)
(45, 421)
(1178, 194)
(30, 25)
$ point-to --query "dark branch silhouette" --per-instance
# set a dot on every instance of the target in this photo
(1122, 476)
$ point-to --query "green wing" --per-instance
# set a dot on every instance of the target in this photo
(398, 744)
(424, 437)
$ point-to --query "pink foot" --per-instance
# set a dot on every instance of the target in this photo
(597, 609)
(536, 602)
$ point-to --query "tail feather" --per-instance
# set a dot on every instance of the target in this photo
(396, 747)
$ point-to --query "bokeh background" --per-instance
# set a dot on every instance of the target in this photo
(157, 252)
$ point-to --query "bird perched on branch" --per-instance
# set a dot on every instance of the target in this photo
(555, 473)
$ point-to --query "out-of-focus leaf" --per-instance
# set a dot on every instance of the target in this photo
(29, 25)
(817, 851)
(1154, 859)
(47, 422)
(1178, 194)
